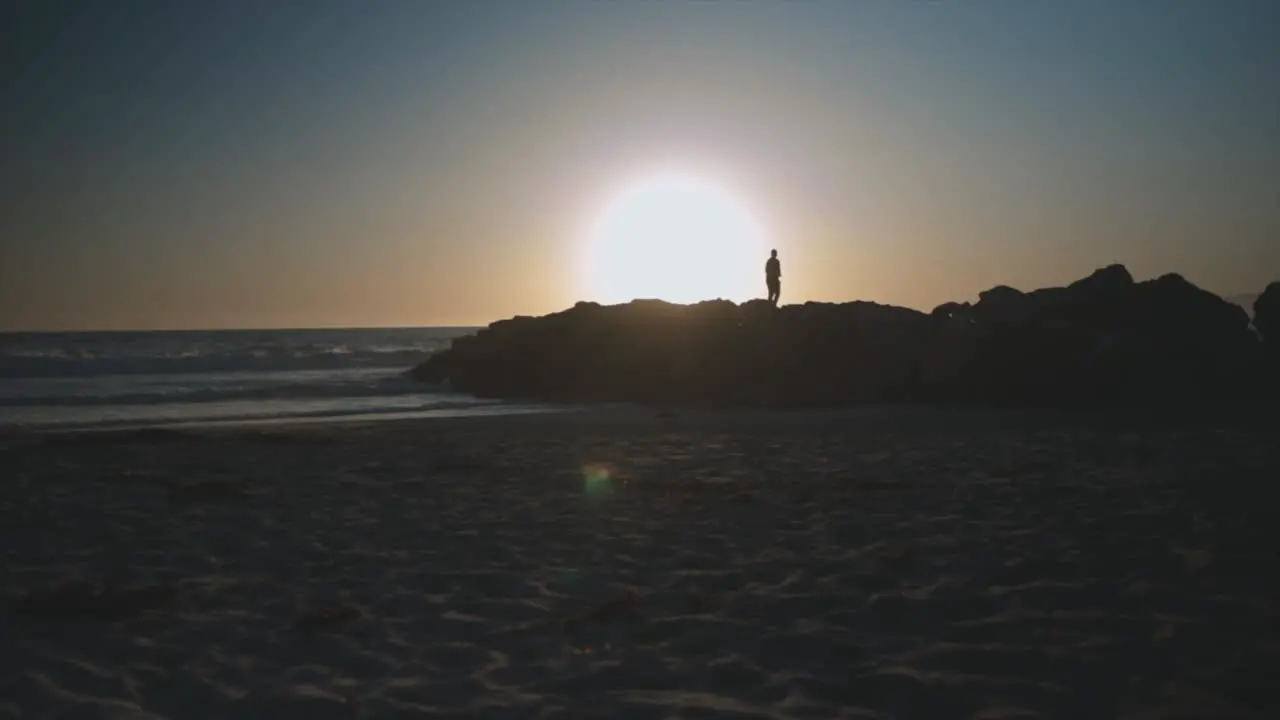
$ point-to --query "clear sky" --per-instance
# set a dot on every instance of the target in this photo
(298, 163)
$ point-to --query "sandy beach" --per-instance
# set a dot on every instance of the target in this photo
(632, 564)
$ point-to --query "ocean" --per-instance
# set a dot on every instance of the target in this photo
(104, 379)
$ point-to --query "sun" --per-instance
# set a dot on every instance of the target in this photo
(674, 237)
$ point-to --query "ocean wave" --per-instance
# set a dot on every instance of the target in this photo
(461, 405)
(190, 389)
(73, 355)
(50, 366)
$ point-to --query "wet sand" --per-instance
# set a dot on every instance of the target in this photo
(627, 563)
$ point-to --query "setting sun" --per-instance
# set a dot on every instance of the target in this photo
(673, 237)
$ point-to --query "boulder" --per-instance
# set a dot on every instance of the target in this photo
(962, 312)
(1109, 283)
(1173, 343)
(1002, 305)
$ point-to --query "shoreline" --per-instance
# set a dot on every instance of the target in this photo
(586, 415)
(372, 416)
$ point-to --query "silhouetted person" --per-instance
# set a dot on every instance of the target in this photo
(773, 277)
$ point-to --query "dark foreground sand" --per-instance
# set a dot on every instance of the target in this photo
(894, 564)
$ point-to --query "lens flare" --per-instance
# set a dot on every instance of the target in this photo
(597, 481)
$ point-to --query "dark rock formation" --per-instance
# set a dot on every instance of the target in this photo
(1105, 340)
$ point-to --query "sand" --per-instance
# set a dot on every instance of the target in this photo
(624, 563)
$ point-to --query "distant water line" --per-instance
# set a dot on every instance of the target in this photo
(85, 380)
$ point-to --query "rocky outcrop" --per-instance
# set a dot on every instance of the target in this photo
(1103, 340)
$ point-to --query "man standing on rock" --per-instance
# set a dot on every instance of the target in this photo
(773, 277)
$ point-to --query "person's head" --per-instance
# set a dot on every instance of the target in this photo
(773, 253)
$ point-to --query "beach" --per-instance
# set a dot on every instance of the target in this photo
(631, 563)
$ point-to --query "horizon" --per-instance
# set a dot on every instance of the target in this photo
(142, 331)
(308, 166)
(1234, 298)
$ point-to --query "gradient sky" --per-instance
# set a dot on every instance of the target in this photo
(307, 163)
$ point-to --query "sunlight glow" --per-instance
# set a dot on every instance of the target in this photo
(674, 237)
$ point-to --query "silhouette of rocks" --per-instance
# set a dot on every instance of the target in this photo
(1104, 340)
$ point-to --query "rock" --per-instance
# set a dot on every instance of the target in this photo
(1111, 282)
(1104, 340)
(953, 311)
(435, 369)
(1002, 306)
(1174, 343)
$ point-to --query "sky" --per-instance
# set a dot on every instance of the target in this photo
(313, 163)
